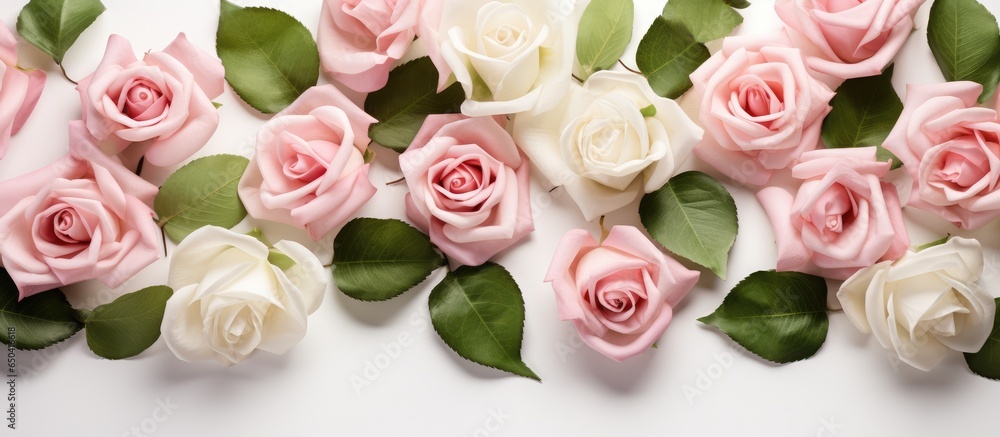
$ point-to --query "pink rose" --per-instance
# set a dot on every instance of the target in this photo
(166, 98)
(360, 39)
(620, 294)
(82, 217)
(19, 89)
(760, 107)
(843, 217)
(951, 148)
(469, 187)
(852, 38)
(309, 170)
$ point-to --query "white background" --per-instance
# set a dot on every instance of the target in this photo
(696, 382)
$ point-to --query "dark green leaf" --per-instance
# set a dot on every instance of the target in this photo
(708, 20)
(479, 313)
(864, 112)
(128, 325)
(607, 31)
(693, 216)
(201, 193)
(38, 321)
(408, 98)
(379, 259)
(738, 4)
(781, 317)
(667, 55)
(269, 56)
(986, 362)
(54, 25)
(965, 40)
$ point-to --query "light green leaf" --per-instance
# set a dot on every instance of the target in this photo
(693, 216)
(965, 40)
(864, 112)
(479, 313)
(781, 317)
(667, 55)
(933, 243)
(38, 321)
(606, 31)
(128, 325)
(54, 25)
(708, 20)
(986, 362)
(201, 193)
(407, 99)
(379, 259)
(269, 56)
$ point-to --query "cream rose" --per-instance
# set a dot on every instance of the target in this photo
(510, 56)
(609, 141)
(924, 304)
(230, 300)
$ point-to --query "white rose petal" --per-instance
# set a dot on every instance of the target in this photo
(924, 304)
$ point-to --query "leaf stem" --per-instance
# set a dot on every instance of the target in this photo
(138, 167)
(604, 230)
(395, 181)
(66, 75)
(577, 78)
(163, 237)
(622, 63)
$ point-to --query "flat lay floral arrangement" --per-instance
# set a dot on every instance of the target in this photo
(477, 98)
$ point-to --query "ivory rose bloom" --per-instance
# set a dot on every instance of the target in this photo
(620, 294)
(609, 141)
(852, 38)
(230, 301)
(469, 187)
(19, 89)
(510, 55)
(760, 107)
(359, 40)
(309, 170)
(951, 148)
(924, 304)
(82, 217)
(166, 98)
(842, 219)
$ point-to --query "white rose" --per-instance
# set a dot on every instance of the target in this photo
(602, 148)
(923, 304)
(510, 56)
(229, 300)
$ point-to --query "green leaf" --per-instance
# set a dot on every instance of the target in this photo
(128, 325)
(649, 111)
(933, 243)
(379, 259)
(608, 30)
(280, 260)
(39, 321)
(864, 112)
(738, 4)
(667, 55)
(708, 20)
(986, 362)
(693, 216)
(479, 313)
(269, 56)
(407, 99)
(965, 40)
(54, 25)
(781, 317)
(201, 193)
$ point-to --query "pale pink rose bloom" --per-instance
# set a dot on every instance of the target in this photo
(951, 148)
(166, 98)
(851, 38)
(760, 107)
(843, 217)
(359, 40)
(82, 217)
(19, 89)
(469, 187)
(309, 170)
(620, 294)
